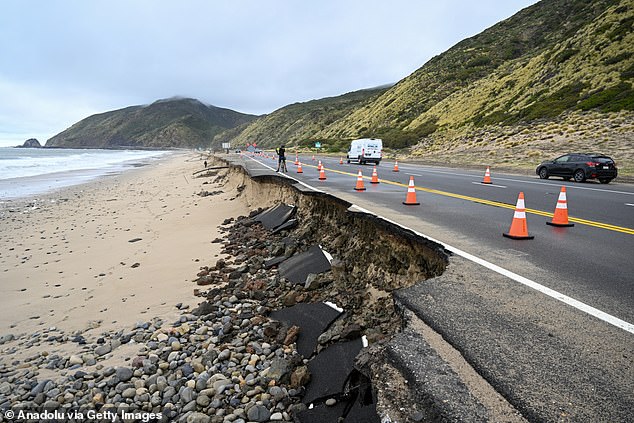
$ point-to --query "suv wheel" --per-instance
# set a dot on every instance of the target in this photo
(580, 175)
(543, 173)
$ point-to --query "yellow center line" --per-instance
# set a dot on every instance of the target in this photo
(580, 221)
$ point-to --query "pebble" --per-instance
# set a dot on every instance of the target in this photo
(214, 364)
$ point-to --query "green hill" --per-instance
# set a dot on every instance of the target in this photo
(174, 122)
(555, 76)
(300, 123)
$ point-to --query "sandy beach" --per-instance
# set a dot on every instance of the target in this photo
(104, 255)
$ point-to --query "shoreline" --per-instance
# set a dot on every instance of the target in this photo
(103, 255)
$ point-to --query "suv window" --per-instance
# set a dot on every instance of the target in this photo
(563, 159)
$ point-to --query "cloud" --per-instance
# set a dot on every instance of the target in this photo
(62, 60)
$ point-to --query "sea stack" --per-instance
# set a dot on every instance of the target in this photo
(31, 143)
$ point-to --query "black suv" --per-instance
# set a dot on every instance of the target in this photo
(580, 166)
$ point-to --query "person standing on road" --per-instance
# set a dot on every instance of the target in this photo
(281, 163)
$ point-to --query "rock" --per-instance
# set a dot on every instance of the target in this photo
(291, 335)
(352, 331)
(203, 309)
(280, 368)
(6, 338)
(197, 417)
(124, 374)
(258, 413)
(103, 350)
(5, 388)
(330, 402)
(75, 359)
(300, 377)
(276, 417)
(129, 393)
(31, 143)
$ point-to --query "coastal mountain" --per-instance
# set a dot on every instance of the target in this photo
(299, 123)
(555, 73)
(174, 122)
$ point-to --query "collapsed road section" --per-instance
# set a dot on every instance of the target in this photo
(332, 256)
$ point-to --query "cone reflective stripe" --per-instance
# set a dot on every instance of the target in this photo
(519, 227)
(299, 167)
(359, 186)
(487, 176)
(375, 176)
(322, 174)
(395, 166)
(410, 200)
(560, 217)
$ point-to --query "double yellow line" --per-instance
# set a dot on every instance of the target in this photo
(580, 221)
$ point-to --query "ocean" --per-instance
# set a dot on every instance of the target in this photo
(26, 172)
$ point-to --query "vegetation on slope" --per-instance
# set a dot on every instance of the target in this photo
(175, 122)
(300, 123)
(556, 64)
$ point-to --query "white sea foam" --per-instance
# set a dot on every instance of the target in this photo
(25, 172)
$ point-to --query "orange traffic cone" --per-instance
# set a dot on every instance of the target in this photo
(359, 186)
(320, 166)
(296, 159)
(560, 217)
(340, 160)
(375, 176)
(322, 174)
(313, 157)
(519, 227)
(299, 167)
(395, 166)
(487, 176)
(410, 200)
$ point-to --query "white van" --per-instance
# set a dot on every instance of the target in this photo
(365, 150)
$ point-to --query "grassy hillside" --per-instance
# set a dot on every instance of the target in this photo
(176, 122)
(300, 123)
(555, 77)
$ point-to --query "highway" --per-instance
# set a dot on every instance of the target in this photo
(592, 262)
(548, 322)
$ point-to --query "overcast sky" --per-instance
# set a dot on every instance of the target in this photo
(61, 61)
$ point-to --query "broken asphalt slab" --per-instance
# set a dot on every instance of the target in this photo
(297, 268)
(312, 319)
(276, 216)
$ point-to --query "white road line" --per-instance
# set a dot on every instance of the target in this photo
(608, 318)
(629, 204)
(601, 315)
(489, 185)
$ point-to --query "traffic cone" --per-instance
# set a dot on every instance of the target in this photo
(519, 227)
(395, 166)
(322, 174)
(375, 176)
(487, 176)
(340, 160)
(320, 166)
(410, 199)
(296, 159)
(299, 167)
(560, 217)
(313, 157)
(359, 186)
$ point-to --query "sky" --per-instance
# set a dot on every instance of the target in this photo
(64, 60)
